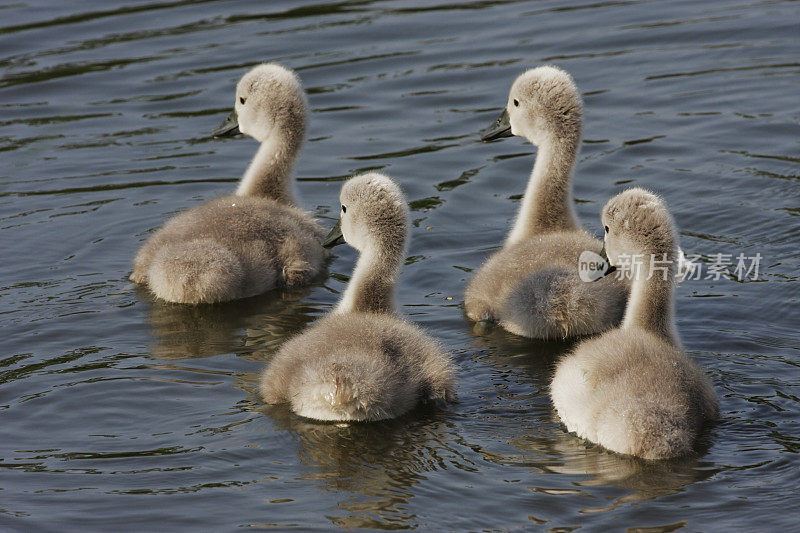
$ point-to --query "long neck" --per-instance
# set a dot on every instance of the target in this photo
(268, 175)
(650, 305)
(372, 286)
(547, 204)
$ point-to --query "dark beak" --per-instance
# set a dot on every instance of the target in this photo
(229, 126)
(499, 128)
(610, 268)
(335, 236)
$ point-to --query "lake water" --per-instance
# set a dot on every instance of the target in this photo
(122, 413)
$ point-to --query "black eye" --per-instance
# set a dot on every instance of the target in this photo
(606, 229)
(516, 102)
(344, 209)
(242, 100)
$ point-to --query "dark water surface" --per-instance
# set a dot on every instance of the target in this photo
(121, 413)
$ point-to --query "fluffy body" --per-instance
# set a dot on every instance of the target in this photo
(232, 247)
(358, 367)
(363, 362)
(531, 287)
(633, 393)
(633, 389)
(256, 240)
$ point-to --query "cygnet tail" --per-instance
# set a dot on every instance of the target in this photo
(648, 430)
(554, 303)
(197, 271)
(347, 387)
(343, 392)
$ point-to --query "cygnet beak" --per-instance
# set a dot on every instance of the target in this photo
(335, 236)
(609, 267)
(229, 126)
(501, 127)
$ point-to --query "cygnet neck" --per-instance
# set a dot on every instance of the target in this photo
(372, 286)
(547, 203)
(268, 175)
(651, 304)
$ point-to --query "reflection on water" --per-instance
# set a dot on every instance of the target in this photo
(183, 331)
(495, 340)
(509, 353)
(595, 467)
(372, 468)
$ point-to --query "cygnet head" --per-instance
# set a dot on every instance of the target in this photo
(543, 105)
(374, 215)
(637, 221)
(269, 99)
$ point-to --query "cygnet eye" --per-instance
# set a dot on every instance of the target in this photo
(606, 229)
(344, 208)
(516, 102)
(242, 100)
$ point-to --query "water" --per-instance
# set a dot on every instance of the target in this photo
(121, 412)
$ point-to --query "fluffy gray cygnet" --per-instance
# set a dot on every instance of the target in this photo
(633, 389)
(256, 239)
(532, 287)
(362, 362)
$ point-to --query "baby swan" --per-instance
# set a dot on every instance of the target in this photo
(362, 362)
(257, 239)
(532, 287)
(633, 389)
